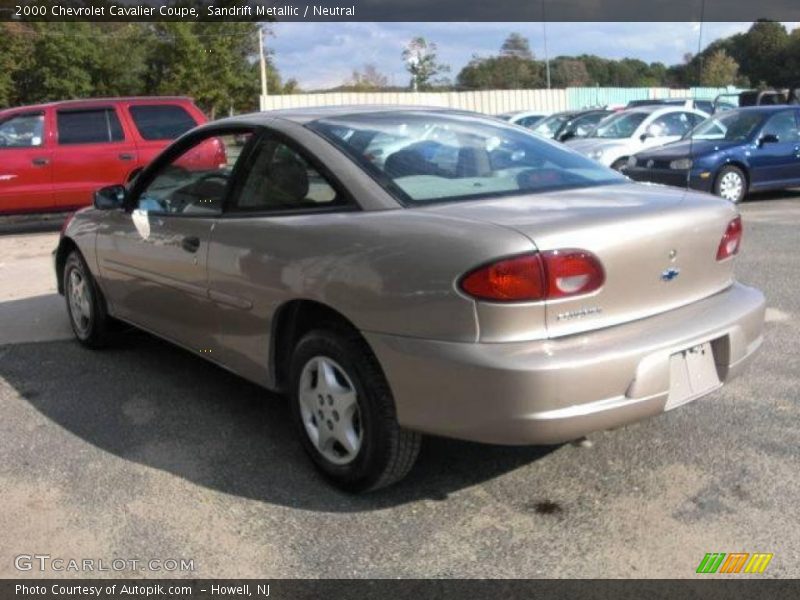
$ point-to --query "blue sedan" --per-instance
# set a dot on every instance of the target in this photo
(730, 154)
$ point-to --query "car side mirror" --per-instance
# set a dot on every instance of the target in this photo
(567, 135)
(768, 138)
(645, 135)
(110, 197)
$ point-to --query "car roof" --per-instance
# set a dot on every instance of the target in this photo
(766, 108)
(95, 101)
(579, 112)
(517, 113)
(306, 115)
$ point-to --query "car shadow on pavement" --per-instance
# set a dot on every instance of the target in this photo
(147, 401)
(791, 194)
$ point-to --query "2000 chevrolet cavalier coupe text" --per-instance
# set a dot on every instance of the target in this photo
(408, 271)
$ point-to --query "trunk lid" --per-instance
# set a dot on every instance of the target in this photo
(657, 245)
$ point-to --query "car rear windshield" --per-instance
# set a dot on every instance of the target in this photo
(423, 157)
(161, 121)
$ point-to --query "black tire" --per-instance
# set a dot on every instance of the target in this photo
(387, 452)
(92, 330)
(620, 164)
(729, 171)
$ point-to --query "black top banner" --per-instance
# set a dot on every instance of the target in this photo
(400, 10)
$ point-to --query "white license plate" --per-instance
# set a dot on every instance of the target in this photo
(692, 373)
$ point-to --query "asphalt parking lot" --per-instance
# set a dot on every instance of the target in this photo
(144, 451)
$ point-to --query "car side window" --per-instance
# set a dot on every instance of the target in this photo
(196, 181)
(783, 125)
(584, 125)
(279, 177)
(161, 121)
(671, 124)
(88, 126)
(22, 131)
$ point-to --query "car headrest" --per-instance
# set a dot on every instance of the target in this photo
(407, 162)
(289, 178)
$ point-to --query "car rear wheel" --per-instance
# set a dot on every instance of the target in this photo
(731, 184)
(85, 305)
(345, 414)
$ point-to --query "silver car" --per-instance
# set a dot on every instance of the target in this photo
(481, 283)
(623, 134)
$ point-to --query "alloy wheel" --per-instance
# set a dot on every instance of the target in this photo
(79, 302)
(731, 186)
(329, 409)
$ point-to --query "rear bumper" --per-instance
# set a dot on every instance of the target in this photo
(671, 177)
(555, 390)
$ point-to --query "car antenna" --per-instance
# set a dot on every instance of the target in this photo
(699, 74)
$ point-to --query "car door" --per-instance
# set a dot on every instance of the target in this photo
(26, 168)
(92, 151)
(775, 163)
(284, 198)
(152, 257)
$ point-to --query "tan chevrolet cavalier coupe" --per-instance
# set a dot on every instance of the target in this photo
(400, 271)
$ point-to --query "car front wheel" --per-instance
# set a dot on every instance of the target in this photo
(731, 184)
(85, 304)
(345, 414)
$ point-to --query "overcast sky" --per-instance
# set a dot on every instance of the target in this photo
(321, 55)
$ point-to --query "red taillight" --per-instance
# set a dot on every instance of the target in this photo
(221, 156)
(731, 240)
(532, 277)
(572, 273)
(516, 279)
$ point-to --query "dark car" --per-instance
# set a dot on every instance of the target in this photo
(730, 154)
(566, 125)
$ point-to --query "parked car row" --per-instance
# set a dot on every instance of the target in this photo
(730, 154)
(54, 156)
(724, 150)
(622, 134)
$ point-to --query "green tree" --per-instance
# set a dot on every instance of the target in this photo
(719, 70)
(501, 72)
(368, 79)
(15, 47)
(422, 63)
(120, 64)
(762, 49)
(60, 62)
(569, 72)
(791, 59)
(517, 46)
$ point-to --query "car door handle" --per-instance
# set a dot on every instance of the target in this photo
(190, 244)
(40, 162)
(126, 156)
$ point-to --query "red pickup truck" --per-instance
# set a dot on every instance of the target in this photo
(54, 156)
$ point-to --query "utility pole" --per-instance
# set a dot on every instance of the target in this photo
(544, 35)
(263, 64)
